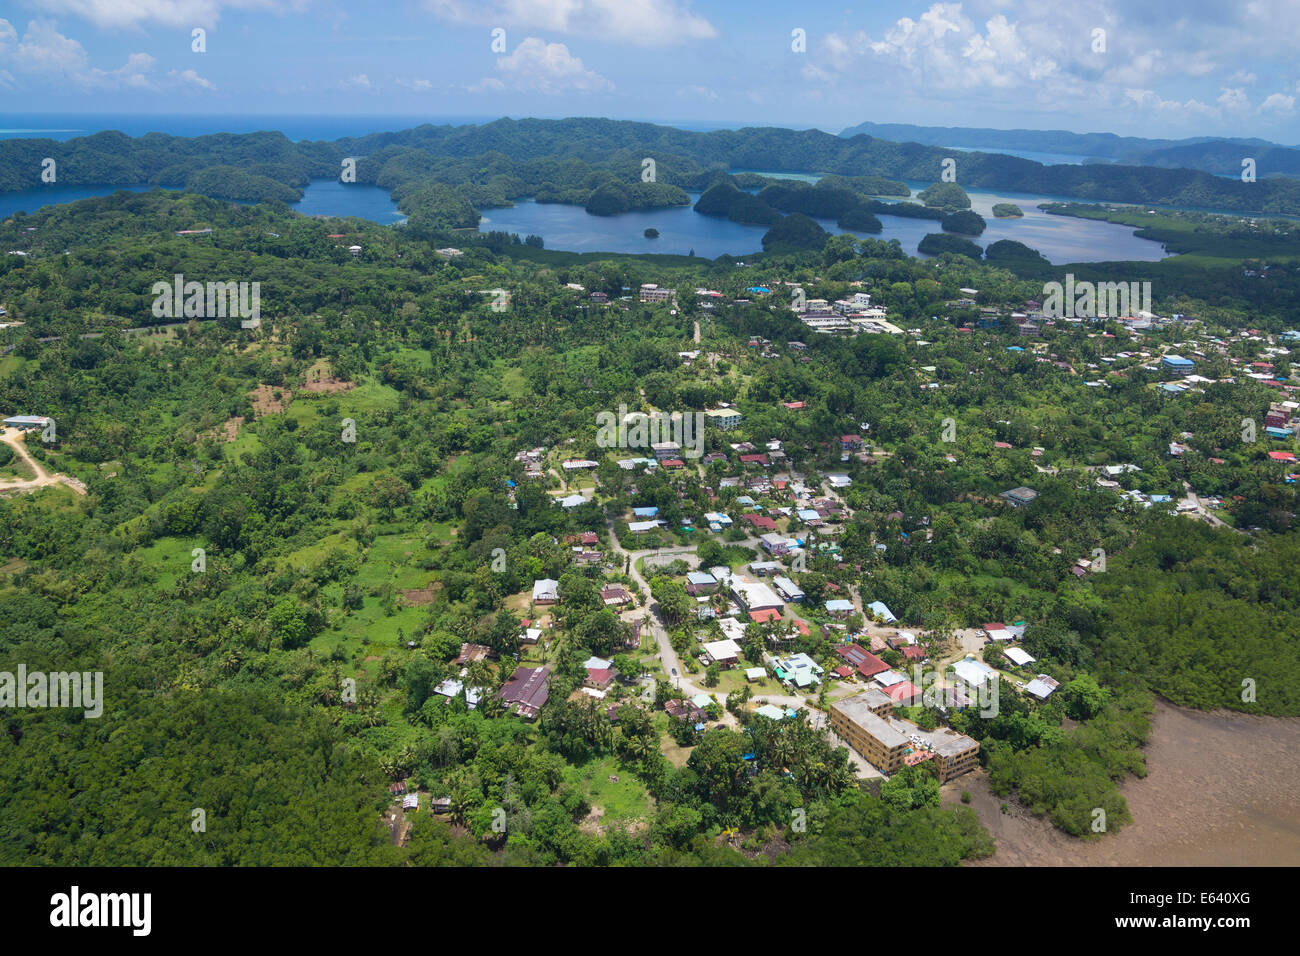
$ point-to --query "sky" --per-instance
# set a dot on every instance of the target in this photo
(1157, 68)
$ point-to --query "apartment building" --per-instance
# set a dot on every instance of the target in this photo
(888, 743)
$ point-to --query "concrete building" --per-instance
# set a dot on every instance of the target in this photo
(887, 742)
(723, 418)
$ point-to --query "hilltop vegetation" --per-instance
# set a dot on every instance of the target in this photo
(372, 561)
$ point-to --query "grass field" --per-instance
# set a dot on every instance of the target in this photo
(624, 800)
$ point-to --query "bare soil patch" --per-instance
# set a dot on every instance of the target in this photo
(265, 401)
(420, 596)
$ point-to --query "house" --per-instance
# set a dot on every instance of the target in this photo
(473, 652)
(526, 691)
(839, 607)
(850, 442)
(598, 678)
(1041, 687)
(26, 422)
(546, 591)
(997, 631)
(452, 688)
(724, 419)
(717, 518)
(770, 712)
(700, 582)
(615, 595)
(530, 635)
(1020, 497)
(724, 653)
(1018, 656)
(775, 544)
(764, 568)
(755, 596)
(664, 450)
(684, 710)
(839, 481)
(798, 669)
(788, 589)
(974, 673)
(880, 610)
(903, 693)
(755, 673)
(572, 501)
(641, 527)
(650, 292)
(868, 665)
(1177, 363)
(760, 522)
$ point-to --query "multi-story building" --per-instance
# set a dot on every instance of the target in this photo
(887, 742)
(723, 418)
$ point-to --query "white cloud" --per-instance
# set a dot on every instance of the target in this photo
(1234, 100)
(540, 67)
(173, 13)
(1278, 103)
(190, 78)
(358, 82)
(46, 57)
(699, 93)
(638, 22)
(1150, 100)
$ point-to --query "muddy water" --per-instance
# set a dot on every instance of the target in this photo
(1222, 789)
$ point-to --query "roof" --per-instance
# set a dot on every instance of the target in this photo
(1018, 656)
(973, 672)
(858, 710)
(1041, 686)
(786, 585)
(770, 712)
(527, 688)
(878, 607)
(546, 589)
(723, 650)
(836, 605)
(867, 664)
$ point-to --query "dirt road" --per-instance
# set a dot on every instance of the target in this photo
(14, 438)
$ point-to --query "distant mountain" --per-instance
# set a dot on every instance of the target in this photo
(1221, 156)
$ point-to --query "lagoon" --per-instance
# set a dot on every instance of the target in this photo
(571, 228)
(322, 197)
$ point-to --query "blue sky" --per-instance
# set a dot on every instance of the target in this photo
(1168, 68)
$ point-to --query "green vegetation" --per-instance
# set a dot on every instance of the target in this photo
(1007, 210)
(965, 222)
(937, 243)
(289, 682)
(945, 196)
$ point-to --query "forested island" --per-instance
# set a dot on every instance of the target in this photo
(445, 174)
